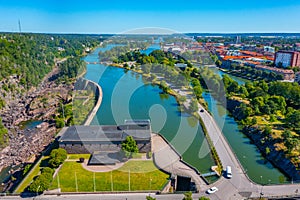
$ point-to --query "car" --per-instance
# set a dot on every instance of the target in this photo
(228, 172)
(212, 190)
(201, 110)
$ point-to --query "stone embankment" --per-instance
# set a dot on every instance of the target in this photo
(276, 157)
(98, 95)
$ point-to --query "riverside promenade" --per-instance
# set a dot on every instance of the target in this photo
(168, 160)
(97, 105)
(240, 186)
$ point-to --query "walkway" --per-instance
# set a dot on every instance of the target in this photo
(96, 107)
(168, 160)
(101, 168)
(240, 186)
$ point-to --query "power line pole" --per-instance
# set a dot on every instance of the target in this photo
(20, 30)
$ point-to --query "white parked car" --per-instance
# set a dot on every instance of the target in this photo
(212, 190)
(228, 172)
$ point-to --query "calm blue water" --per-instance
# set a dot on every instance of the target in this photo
(248, 154)
(240, 81)
(150, 49)
(125, 96)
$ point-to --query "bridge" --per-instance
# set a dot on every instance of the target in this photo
(92, 63)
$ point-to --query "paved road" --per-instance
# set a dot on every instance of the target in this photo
(127, 196)
(168, 160)
(239, 187)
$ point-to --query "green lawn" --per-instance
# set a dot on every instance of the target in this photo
(138, 155)
(34, 172)
(143, 176)
(77, 156)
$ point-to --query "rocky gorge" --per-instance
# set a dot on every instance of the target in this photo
(40, 103)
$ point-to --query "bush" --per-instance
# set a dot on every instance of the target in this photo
(129, 146)
(47, 171)
(150, 198)
(204, 198)
(40, 184)
(26, 169)
(188, 196)
(57, 157)
(43, 181)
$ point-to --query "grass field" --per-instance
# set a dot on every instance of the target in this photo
(143, 176)
(77, 156)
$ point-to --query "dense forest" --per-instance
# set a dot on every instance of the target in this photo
(26, 58)
(32, 56)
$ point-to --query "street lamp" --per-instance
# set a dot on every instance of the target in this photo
(262, 185)
(37, 191)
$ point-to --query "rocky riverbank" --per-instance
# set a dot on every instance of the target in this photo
(39, 103)
(277, 158)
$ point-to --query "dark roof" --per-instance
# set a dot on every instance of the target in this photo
(106, 133)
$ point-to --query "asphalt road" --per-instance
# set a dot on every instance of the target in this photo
(239, 186)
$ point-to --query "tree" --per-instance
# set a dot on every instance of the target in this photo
(2, 103)
(26, 169)
(204, 198)
(286, 134)
(187, 196)
(129, 146)
(233, 87)
(3, 133)
(294, 119)
(42, 182)
(267, 130)
(150, 198)
(146, 68)
(193, 106)
(253, 121)
(198, 91)
(57, 157)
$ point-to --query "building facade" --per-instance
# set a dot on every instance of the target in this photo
(287, 58)
(90, 139)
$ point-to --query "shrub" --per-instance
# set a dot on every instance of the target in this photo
(57, 157)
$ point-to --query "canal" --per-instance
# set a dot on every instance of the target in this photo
(125, 96)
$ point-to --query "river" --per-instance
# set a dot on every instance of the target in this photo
(258, 168)
(125, 96)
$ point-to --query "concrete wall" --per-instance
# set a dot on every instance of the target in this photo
(144, 147)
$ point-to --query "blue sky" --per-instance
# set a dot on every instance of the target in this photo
(117, 16)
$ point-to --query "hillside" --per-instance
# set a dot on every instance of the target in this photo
(37, 72)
